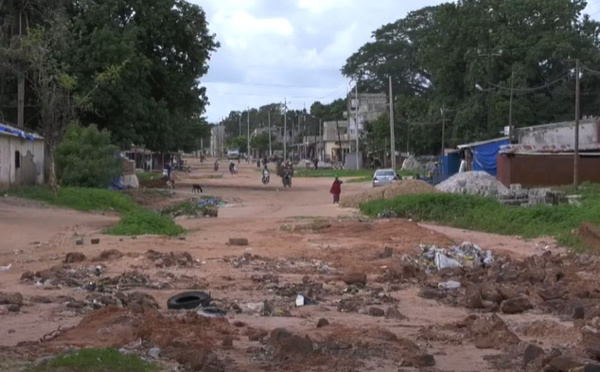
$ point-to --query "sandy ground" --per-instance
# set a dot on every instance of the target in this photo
(295, 235)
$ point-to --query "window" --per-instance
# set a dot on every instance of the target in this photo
(17, 160)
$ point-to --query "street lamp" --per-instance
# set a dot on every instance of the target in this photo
(510, 105)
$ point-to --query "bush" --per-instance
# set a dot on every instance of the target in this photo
(96, 360)
(86, 158)
(489, 215)
(142, 222)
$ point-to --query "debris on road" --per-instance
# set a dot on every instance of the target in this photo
(178, 259)
(238, 241)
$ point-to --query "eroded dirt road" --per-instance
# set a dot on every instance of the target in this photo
(377, 307)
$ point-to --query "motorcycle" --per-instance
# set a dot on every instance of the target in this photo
(266, 178)
(287, 181)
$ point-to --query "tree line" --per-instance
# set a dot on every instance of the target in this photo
(131, 67)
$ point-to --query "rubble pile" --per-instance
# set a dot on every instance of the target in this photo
(517, 196)
(63, 276)
(472, 183)
(253, 262)
(177, 259)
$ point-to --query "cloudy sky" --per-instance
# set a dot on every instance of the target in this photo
(293, 49)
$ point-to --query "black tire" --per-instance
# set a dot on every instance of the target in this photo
(189, 300)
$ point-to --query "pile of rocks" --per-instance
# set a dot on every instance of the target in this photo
(473, 183)
(518, 196)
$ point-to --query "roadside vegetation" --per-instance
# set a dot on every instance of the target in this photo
(489, 215)
(135, 220)
(96, 360)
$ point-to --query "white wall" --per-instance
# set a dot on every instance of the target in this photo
(560, 136)
(8, 147)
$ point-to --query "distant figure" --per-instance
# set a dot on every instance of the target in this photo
(336, 190)
(316, 161)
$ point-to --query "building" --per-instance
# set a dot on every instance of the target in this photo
(544, 155)
(22, 157)
(217, 140)
(336, 141)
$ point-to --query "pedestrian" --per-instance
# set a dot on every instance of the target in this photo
(336, 190)
(316, 162)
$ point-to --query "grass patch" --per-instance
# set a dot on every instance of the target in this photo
(81, 199)
(345, 173)
(143, 222)
(148, 176)
(96, 360)
(135, 220)
(360, 179)
(488, 215)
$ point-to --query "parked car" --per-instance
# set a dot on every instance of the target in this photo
(383, 177)
(233, 154)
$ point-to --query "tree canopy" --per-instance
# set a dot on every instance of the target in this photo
(157, 49)
(436, 56)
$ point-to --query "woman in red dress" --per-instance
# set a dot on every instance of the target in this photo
(336, 190)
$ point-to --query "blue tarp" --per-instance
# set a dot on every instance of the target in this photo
(16, 132)
(484, 156)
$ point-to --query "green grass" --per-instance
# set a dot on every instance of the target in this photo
(345, 173)
(360, 179)
(81, 199)
(142, 222)
(488, 215)
(96, 360)
(148, 176)
(135, 220)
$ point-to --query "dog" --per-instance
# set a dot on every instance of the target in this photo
(197, 188)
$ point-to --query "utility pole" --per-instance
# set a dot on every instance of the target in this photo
(511, 129)
(269, 123)
(576, 152)
(356, 120)
(248, 138)
(240, 123)
(284, 129)
(321, 139)
(392, 130)
(21, 82)
(443, 112)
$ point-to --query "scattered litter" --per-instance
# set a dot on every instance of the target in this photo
(209, 202)
(450, 284)
(466, 254)
(154, 353)
(211, 312)
(6, 268)
(302, 300)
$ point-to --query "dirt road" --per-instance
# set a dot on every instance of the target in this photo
(299, 243)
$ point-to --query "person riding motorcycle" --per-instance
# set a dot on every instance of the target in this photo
(287, 177)
(265, 175)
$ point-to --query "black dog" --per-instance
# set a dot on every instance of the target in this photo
(196, 188)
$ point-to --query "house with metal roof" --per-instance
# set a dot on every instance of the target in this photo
(22, 156)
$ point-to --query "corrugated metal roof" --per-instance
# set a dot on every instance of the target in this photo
(8, 130)
(475, 144)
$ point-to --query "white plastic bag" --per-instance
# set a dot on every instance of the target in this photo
(444, 262)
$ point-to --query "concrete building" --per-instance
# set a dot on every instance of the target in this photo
(559, 136)
(21, 157)
(217, 140)
(336, 141)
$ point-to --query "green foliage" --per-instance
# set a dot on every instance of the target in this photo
(81, 199)
(142, 222)
(240, 143)
(96, 360)
(261, 142)
(488, 215)
(86, 158)
(329, 112)
(437, 54)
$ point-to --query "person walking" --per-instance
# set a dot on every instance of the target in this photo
(336, 190)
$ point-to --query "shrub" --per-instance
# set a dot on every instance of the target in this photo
(86, 158)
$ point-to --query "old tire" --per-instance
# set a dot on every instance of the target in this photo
(189, 300)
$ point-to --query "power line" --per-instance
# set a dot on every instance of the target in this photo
(270, 85)
(531, 89)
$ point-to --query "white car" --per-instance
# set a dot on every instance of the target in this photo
(384, 177)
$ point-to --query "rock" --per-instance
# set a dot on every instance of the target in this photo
(74, 257)
(591, 341)
(286, 343)
(110, 254)
(40, 300)
(14, 298)
(375, 311)
(387, 252)
(11, 331)
(154, 353)
(574, 308)
(79, 241)
(473, 298)
(355, 278)
(95, 241)
(591, 368)
(490, 293)
(491, 332)
(227, 342)
(13, 308)
(516, 305)
(562, 364)
(238, 241)
(256, 334)
(531, 353)
(432, 293)
(425, 360)
(394, 313)
(322, 323)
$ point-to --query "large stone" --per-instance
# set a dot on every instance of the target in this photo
(516, 305)
(473, 298)
(563, 364)
(355, 278)
(574, 308)
(377, 312)
(490, 332)
(238, 241)
(74, 257)
(591, 341)
(532, 352)
(14, 298)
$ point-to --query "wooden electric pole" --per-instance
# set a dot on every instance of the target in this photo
(576, 144)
